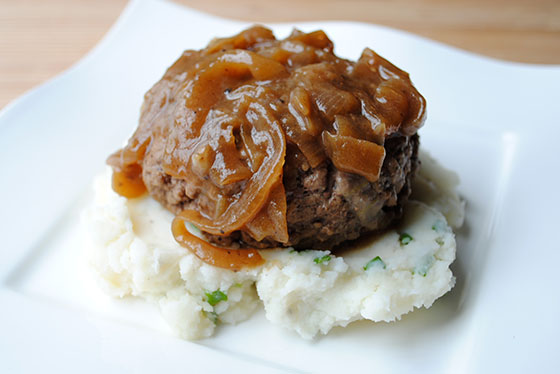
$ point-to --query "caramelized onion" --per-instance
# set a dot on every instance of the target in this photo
(332, 101)
(232, 259)
(127, 178)
(355, 156)
(271, 220)
(256, 191)
(128, 181)
(317, 39)
(243, 40)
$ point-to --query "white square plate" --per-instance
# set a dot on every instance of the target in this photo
(493, 122)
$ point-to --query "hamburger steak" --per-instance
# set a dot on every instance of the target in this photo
(325, 206)
(271, 143)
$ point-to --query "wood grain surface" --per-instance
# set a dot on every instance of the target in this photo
(41, 38)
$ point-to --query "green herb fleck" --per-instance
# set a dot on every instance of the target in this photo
(405, 238)
(425, 264)
(293, 251)
(195, 230)
(212, 316)
(375, 261)
(320, 260)
(238, 285)
(215, 297)
(438, 226)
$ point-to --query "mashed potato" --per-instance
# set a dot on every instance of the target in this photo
(133, 253)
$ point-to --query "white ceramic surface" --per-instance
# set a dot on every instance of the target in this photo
(496, 123)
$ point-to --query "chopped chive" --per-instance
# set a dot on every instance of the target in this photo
(405, 238)
(375, 261)
(215, 297)
(194, 228)
(320, 260)
(238, 285)
(425, 264)
(212, 316)
(438, 226)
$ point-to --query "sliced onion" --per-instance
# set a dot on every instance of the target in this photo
(301, 128)
(317, 39)
(242, 40)
(331, 101)
(232, 259)
(271, 220)
(127, 181)
(205, 88)
(354, 155)
(257, 189)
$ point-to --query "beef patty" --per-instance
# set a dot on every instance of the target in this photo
(325, 206)
(264, 143)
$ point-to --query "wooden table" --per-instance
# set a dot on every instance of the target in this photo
(41, 38)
